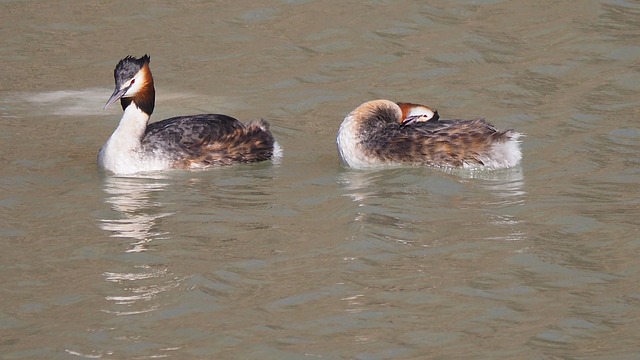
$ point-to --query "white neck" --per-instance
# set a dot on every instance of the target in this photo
(121, 152)
(348, 142)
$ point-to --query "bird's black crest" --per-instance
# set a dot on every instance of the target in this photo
(128, 67)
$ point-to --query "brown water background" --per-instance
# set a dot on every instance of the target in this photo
(305, 259)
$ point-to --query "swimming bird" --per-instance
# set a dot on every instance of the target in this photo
(182, 142)
(382, 132)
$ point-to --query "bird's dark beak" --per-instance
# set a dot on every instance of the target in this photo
(410, 120)
(419, 118)
(117, 94)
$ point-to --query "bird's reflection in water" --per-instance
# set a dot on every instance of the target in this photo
(408, 204)
(505, 190)
(384, 212)
(140, 278)
(415, 229)
(133, 199)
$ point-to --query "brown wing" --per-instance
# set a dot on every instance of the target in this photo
(446, 142)
(209, 139)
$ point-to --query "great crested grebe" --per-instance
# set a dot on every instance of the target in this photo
(183, 142)
(381, 132)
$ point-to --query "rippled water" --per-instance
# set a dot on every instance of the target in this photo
(303, 259)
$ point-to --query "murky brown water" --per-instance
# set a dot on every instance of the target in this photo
(305, 259)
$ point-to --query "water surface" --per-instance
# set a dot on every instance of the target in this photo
(304, 259)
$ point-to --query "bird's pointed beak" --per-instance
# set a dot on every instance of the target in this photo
(410, 120)
(420, 118)
(117, 94)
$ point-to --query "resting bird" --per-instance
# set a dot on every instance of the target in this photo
(382, 132)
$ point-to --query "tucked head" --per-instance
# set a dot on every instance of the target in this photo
(131, 76)
(412, 113)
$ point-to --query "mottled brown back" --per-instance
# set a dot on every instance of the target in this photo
(446, 142)
(209, 140)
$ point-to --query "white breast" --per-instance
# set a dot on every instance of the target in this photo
(122, 153)
(349, 147)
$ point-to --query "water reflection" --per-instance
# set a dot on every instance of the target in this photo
(132, 199)
(138, 217)
(505, 182)
(505, 186)
(411, 205)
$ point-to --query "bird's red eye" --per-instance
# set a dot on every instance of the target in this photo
(132, 81)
